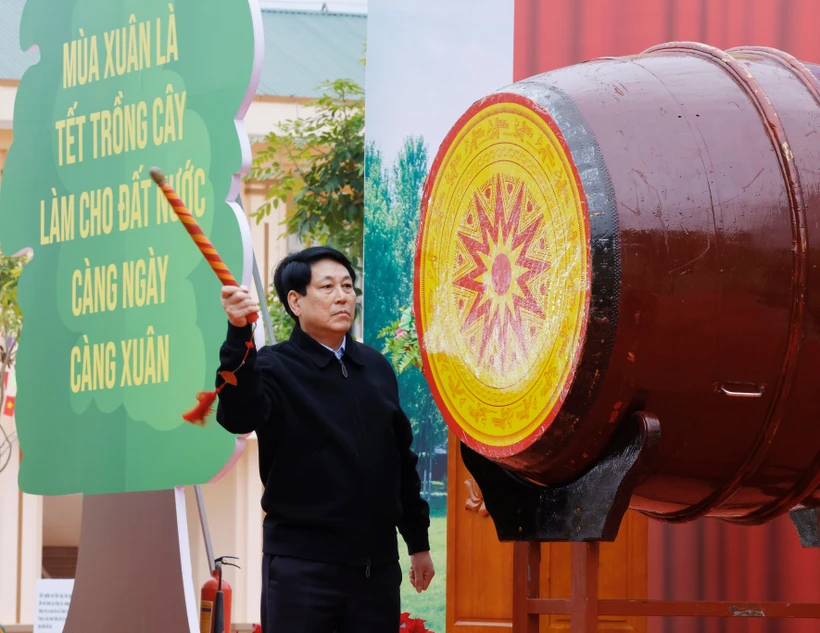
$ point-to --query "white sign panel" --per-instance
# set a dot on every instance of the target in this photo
(53, 598)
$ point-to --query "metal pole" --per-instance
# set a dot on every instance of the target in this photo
(206, 534)
(260, 290)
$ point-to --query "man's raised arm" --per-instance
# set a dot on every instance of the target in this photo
(246, 405)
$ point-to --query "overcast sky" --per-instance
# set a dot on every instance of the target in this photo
(340, 6)
(428, 61)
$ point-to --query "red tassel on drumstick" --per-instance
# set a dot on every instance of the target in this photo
(205, 399)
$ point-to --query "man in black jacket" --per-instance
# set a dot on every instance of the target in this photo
(334, 456)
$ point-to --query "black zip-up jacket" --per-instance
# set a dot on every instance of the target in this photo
(334, 449)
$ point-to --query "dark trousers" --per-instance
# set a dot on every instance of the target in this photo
(301, 596)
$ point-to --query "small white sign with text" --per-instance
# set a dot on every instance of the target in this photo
(53, 598)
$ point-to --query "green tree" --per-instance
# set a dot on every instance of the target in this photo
(409, 174)
(393, 197)
(11, 323)
(280, 320)
(377, 182)
(316, 165)
(382, 299)
(402, 343)
(393, 201)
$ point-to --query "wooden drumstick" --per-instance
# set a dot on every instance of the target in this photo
(195, 231)
(205, 399)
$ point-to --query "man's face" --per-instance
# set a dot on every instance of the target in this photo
(328, 307)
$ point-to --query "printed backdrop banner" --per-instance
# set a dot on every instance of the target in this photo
(122, 316)
(427, 62)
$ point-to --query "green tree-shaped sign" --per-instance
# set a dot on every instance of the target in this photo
(122, 318)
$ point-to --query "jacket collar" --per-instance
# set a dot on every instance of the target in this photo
(318, 353)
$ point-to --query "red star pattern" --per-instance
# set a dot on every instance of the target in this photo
(502, 266)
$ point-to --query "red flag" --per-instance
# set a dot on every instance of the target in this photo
(8, 408)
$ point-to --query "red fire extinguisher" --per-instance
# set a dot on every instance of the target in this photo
(215, 601)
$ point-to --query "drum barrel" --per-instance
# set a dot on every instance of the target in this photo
(636, 233)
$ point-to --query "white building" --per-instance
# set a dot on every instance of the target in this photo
(39, 536)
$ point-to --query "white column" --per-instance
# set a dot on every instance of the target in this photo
(7, 96)
(250, 529)
(9, 534)
(21, 535)
(31, 554)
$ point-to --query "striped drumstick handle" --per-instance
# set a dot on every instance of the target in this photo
(195, 231)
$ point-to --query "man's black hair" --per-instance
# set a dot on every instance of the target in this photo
(294, 271)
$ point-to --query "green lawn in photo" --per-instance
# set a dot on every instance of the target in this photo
(431, 604)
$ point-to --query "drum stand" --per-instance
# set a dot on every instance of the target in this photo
(589, 508)
(583, 606)
(586, 512)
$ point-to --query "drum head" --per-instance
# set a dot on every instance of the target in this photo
(503, 274)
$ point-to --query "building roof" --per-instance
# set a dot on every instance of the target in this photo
(306, 48)
(303, 49)
(13, 61)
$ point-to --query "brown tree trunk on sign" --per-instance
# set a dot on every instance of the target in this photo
(134, 568)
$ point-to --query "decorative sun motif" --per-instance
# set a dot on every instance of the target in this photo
(502, 275)
(496, 267)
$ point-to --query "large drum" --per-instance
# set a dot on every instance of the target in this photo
(636, 233)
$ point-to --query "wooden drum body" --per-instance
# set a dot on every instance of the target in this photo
(635, 234)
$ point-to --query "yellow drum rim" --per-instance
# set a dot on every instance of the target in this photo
(502, 274)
